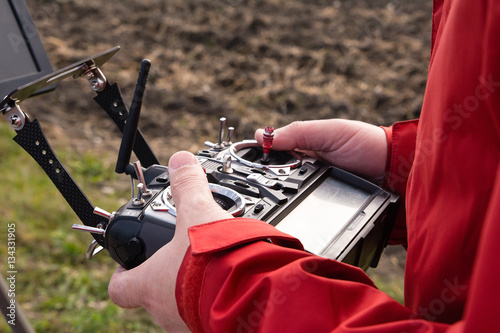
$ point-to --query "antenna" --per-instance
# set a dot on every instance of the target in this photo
(130, 130)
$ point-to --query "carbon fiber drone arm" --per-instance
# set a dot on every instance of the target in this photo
(32, 139)
(111, 100)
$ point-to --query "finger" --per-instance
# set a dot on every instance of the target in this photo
(191, 193)
(124, 289)
(355, 146)
(305, 135)
(186, 179)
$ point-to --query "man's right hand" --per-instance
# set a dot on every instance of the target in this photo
(354, 146)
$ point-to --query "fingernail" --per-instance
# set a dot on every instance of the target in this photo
(258, 133)
(181, 159)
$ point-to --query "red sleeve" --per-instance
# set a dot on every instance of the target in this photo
(482, 309)
(230, 282)
(242, 275)
(401, 140)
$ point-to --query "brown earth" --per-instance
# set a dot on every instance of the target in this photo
(255, 62)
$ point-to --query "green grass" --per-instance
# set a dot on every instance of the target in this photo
(393, 288)
(58, 289)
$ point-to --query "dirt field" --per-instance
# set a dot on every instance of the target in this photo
(255, 62)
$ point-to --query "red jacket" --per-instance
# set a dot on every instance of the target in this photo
(446, 167)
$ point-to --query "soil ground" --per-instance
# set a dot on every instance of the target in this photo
(254, 62)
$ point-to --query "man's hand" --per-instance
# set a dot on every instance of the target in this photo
(354, 146)
(152, 284)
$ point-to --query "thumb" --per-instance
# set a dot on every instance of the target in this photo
(192, 196)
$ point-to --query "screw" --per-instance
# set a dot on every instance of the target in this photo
(16, 121)
(97, 84)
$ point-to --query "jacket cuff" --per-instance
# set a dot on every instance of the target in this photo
(224, 234)
(401, 142)
(209, 241)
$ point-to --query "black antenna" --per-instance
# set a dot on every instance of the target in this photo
(130, 130)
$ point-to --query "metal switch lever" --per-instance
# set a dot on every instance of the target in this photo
(139, 200)
(220, 143)
(86, 228)
(230, 132)
(102, 212)
(140, 177)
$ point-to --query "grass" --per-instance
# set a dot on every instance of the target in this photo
(392, 286)
(58, 289)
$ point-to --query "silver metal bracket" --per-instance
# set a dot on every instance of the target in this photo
(93, 250)
(95, 77)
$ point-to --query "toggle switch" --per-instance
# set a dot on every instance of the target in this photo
(230, 132)
(220, 143)
(102, 212)
(139, 199)
(140, 176)
(86, 228)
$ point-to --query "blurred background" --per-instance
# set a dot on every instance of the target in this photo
(255, 62)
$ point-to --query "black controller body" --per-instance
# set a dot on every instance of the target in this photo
(270, 193)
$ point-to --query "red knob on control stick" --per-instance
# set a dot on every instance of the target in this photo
(267, 143)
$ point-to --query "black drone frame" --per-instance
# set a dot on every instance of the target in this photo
(31, 137)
